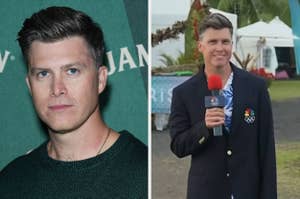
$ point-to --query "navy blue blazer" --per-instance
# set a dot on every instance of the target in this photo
(239, 163)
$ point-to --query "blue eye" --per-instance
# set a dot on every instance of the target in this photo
(42, 74)
(72, 71)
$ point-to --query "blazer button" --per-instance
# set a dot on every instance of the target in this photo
(201, 141)
(229, 152)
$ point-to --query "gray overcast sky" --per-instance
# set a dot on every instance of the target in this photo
(179, 7)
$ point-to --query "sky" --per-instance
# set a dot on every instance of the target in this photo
(178, 7)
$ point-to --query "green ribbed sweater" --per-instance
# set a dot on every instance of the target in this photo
(119, 172)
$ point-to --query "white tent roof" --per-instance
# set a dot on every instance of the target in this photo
(258, 29)
(276, 32)
(281, 29)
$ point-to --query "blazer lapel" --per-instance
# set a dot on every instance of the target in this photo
(238, 97)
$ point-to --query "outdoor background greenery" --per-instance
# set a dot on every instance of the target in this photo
(287, 152)
(288, 170)
(281, 90)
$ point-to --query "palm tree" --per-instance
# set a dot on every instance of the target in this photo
(168, 60)
(250, 11)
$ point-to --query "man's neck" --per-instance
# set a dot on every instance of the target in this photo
(223, 71)
(83, 142)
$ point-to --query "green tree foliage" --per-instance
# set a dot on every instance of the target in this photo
(196, 14)
(250, 11)
(168, 60)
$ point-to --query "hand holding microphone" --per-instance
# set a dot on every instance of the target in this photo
(214, 116)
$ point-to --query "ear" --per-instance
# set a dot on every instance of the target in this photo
(200, 46)
(28, 84)
(102, 78)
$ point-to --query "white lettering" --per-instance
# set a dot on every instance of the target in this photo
(126, 58)
(3, 60)
(142, 55)
(111, 63)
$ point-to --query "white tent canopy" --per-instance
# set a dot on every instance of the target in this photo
(255, 38)
(276, 33)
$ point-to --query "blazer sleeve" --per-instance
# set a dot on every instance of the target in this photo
(186, 138)
(266, 148)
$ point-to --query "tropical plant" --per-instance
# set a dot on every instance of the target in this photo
(197, 12)
(171, 65)
(167, 60)
(167, 33)
(250, 11)
(181, 59)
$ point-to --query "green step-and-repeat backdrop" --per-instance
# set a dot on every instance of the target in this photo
(123, 104)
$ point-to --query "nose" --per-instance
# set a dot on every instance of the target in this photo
(219, 46)
(58, 87)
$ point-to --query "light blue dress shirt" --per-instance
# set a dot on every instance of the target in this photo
(228, 94)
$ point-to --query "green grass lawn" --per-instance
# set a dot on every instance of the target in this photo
(284, 89)
(288, 170)
(287, 153)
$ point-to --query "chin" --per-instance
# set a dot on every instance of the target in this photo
(62, 130)
(221, 64)
(62, 127)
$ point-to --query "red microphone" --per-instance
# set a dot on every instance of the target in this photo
(216, 100)
(215, 84)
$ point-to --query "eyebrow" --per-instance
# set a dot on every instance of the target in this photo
(66, 66)
(214, 40)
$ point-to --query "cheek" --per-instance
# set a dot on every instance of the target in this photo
(229, 49)
(87, 89)
(39, 94)
(209, 50)
(40, 101)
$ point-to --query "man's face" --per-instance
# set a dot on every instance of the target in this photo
(64, 83)
(216, 47)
